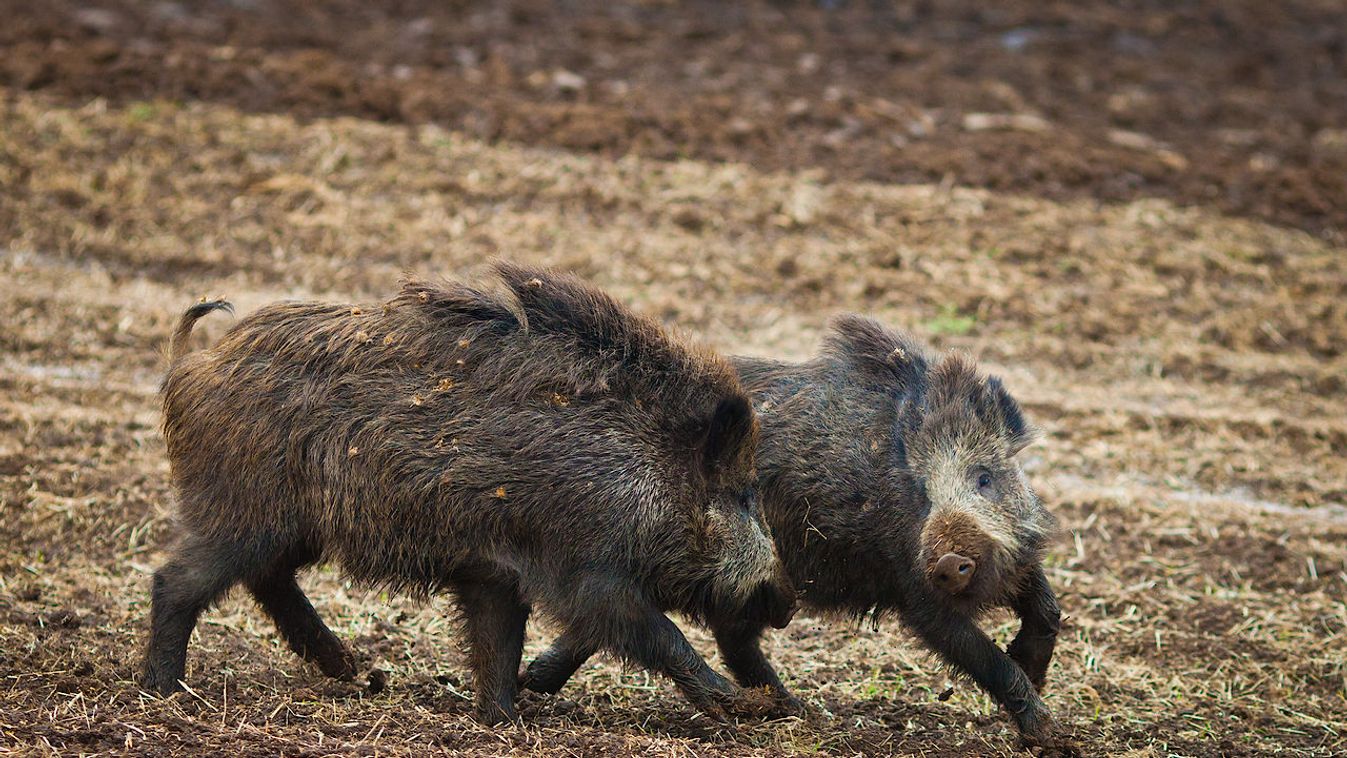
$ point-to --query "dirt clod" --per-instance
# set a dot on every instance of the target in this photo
(378, 681)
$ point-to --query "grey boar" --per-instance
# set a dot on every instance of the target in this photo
(889, 481)
(532, 448)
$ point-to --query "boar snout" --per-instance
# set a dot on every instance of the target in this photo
(774, 602)
(958, 546)
(784, 609)
(953, 572)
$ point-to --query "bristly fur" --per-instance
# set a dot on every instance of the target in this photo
(539, 447)
(880, 360)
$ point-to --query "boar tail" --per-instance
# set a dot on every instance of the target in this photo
(177, 347)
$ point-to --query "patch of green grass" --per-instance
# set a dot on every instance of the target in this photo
(950, 321)
(881, 686)
(142, 111)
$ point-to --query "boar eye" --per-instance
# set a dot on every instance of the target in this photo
(985, 482)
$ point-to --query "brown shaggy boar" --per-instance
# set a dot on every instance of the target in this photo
(540, 448)
(890, 483)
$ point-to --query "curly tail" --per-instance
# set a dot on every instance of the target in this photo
(177, 346)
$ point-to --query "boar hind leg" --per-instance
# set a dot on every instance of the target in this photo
(1041, 620)
(550, 670)
(200, 571)
(494, 617)
(303, 629)
(741, 646)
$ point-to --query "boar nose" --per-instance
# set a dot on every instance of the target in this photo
(953, 572)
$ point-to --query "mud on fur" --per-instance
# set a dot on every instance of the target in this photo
(889, 480)
(539, 449)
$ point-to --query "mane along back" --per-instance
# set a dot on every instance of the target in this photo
(609, 338)
(560, 304)
(880, 356)
(551, 331)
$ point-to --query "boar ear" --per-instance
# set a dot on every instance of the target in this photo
(1018, 432)
(731, 434)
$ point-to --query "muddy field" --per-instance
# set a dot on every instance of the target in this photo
(1136, 214)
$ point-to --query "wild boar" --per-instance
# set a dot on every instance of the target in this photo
(535, 447)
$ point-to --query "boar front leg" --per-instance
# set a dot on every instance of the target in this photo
(1040, 621)
(740, 644)
(655, 642)
(971, 652)
(554, 666)
(494, 618)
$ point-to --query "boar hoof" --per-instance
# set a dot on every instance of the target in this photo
(163, 686)
(1049, 742)
(541, 679)
(785, 705)
(716, 706)
(792, 706)
(495, 714)
(340, 667)
(1032, 659)
(751, 703)
(717, 714)
(1059, 747)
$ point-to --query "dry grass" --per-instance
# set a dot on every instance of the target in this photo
(1186, 367)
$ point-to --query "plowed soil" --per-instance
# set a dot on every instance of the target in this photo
(1239, 106)
(1134, 214)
